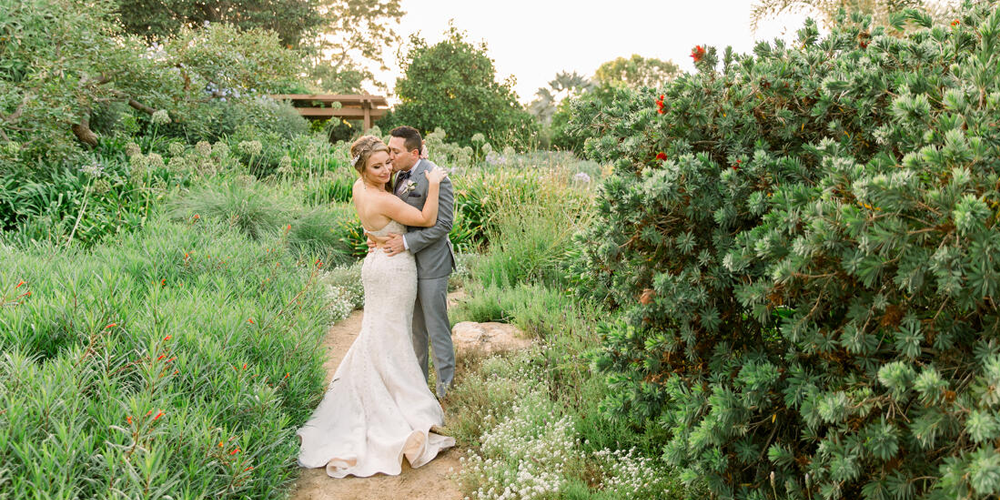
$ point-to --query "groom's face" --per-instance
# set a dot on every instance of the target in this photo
(400, 157)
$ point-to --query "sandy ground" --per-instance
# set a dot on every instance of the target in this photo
(430, 482)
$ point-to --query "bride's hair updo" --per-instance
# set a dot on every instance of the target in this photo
(363, 148)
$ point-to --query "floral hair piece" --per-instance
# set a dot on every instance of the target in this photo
(354, 161)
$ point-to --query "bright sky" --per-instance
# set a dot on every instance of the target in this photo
(535, 39)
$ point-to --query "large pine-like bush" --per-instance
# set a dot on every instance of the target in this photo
(804, 243)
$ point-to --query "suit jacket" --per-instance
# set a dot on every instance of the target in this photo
(430, 245)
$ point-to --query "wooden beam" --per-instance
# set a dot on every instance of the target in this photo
(356, 113)
(374, 100)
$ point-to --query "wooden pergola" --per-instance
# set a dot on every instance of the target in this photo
(364, 107)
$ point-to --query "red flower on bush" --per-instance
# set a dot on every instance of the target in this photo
(737, 166)
(956, 22)
(661, 156)
(697, 53)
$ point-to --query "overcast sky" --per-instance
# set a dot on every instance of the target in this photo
(535, 39)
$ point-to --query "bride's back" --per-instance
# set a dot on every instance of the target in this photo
(369, 210)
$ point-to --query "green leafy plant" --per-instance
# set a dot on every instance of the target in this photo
(177, 358)
(799, 243)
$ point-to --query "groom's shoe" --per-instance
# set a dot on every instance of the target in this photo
(442, 392)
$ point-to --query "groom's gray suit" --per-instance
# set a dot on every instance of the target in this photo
(435, 261)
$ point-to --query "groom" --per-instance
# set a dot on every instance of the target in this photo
(433, 252)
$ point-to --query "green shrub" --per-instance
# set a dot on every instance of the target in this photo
(177, 360)
(254, 116)
(806, 280)
(106, 196)
(251, 211)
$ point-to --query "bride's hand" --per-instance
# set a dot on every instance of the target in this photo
(436, 175)
(374, 240)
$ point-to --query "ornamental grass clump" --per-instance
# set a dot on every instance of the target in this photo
(803, 248)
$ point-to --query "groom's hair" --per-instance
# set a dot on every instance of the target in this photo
(411, 137)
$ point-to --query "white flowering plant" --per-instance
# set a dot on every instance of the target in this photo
(529, 446)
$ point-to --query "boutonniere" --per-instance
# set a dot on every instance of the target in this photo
(410, 186)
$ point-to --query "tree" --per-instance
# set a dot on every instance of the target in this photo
(565, 85)
(354, 35)
(156, 20)
(59, 64)
(941, 10)
(453, 85)
(342, 40)
(636, 72)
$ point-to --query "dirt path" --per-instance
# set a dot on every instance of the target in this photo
(430, 482)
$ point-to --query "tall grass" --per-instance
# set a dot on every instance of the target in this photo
(325, 234)
(532, 421)
(530, 230)
(176, 361)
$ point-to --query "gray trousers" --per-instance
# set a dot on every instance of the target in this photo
(430, 321)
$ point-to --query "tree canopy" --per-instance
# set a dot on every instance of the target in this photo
(342, 40)
(154, 20)
(354, 38)
(563, 86)
(636, 72)
(59, 64)
(453, 85)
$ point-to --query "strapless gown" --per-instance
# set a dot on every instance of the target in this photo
(378, 409)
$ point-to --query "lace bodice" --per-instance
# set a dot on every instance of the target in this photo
(391, 227)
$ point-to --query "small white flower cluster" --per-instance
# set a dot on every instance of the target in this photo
(93, 169)
(629, 474)
(494, 159)
(285, 165)
(160, 117)
(340, 305)
(530, 450)
(525, 456)
(348, 279)
(251, 147)
(220, 149)
(176, 148)
(582, 177)
(203, 148)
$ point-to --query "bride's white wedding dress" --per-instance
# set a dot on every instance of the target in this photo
(378, 408)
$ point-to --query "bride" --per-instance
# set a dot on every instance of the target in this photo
(378, 408)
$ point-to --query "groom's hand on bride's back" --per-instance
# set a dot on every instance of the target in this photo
(394, 245)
